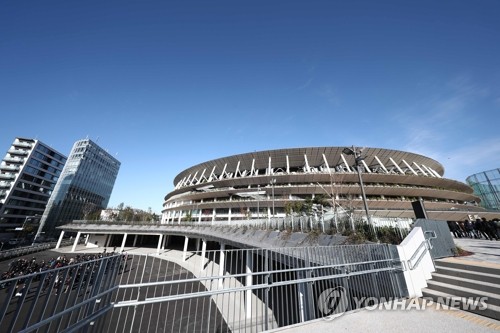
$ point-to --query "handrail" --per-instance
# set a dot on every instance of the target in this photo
(422, 254)
(428, 246)
(21, 251)
(434, 236)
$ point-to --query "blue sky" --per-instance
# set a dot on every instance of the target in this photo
(166, 85)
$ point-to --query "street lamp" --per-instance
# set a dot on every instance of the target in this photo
(358, 158)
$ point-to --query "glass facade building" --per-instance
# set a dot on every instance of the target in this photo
(486, 185)
(28, 174)
(84, 187)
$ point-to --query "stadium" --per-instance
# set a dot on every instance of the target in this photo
(268, 184)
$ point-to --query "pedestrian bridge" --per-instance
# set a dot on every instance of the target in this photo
(111, 234)
(253, 289)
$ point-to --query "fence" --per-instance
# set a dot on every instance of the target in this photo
(60, 299)
(21, 251)
(227, 290)
(388, 230)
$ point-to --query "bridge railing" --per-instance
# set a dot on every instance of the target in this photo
(66, 298)
(21, 251)
(251, 290)
(225, 290)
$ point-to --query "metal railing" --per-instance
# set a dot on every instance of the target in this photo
(21, 251)
(305, 224)
(59, 299)
(226, 290)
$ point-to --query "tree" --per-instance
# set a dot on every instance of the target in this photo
(127, 214)
(88, 208)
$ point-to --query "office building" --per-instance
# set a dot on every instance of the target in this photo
(84, 187)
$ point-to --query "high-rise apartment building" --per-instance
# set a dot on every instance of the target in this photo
(28, 174)
(84, 187)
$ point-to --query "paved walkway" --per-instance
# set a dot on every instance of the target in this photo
(483, 250)
(412, 321)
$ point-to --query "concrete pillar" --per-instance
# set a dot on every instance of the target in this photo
(180, 216)
(203, 251)
(229, 215)
(222, 263)
(123, 242)
(166, 241)
(58, 245)
(248, 283)
(87, 239)
(135, 240)
(184, 253)
(76, 241)
(197, 245)
(107, 240)
(213, 216)
(160, 240)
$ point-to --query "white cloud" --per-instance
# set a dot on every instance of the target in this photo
(448, 129)
(467, 160)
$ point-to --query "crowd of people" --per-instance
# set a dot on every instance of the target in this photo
(478, 229)
(61, 280)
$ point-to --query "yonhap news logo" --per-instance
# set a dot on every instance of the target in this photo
(334, 302)
(419, 304)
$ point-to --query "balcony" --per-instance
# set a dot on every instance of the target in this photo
(9, 167)
(4, 184)
(17, 152)
(22, 144)
(13, 159)
(7, 176)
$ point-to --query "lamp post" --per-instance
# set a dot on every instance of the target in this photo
(358, 158)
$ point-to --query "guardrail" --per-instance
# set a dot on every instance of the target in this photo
(252, 290)
(21, 251)
(302, 224)
(226, 290)
(61, 299)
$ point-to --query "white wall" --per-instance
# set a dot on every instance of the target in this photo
(416, 277)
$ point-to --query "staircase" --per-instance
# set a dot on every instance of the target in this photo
(458, 278)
